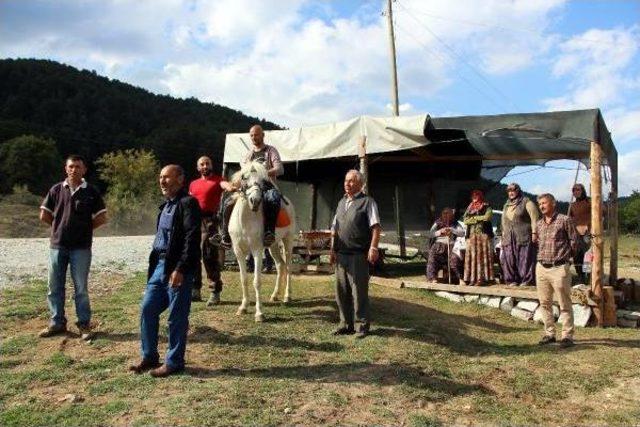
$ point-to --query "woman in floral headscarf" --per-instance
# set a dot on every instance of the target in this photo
(478, 261)
(518, 254)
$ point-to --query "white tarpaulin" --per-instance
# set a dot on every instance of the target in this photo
(336, 139)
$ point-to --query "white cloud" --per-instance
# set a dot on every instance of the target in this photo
(629, 172)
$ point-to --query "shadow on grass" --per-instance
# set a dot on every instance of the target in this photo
(436, 387)
(206, 334)
(394, 317)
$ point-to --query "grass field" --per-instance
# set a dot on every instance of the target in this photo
(428, 362)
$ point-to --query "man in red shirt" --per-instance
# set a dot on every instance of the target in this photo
(207, 190)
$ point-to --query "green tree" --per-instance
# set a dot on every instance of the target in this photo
(630, 214)
(31, 161)
(132, 195)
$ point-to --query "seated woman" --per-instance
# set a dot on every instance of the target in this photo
(445, 230)
(478, 260)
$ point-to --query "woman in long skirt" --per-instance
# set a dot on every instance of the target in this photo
(478, 261)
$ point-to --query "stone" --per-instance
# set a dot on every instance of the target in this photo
(622, 313)
(627, 323)
(537, 315)
(484, 299)
(556, 312)
(507, 304)
(450, 296)
(471, 298)
(494, 302)
(581, 315)
(634, 315)
(521, 313)
(528, 304)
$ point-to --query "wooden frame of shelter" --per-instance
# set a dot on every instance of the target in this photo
(496, 141)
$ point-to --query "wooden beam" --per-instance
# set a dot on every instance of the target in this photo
(613, 224)
(386, 282)
(494, 290)
(596, 231)
(364, 167)
(513, 156)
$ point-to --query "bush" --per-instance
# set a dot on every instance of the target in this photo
(629, 212)
(31, 161)
(132, 197)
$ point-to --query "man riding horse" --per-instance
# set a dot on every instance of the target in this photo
(270, 158)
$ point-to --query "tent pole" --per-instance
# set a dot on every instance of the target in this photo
(596, 231)
(613, 225)
(400, 221)
(313, 221)
(364, 166)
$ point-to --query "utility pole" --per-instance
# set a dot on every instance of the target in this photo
(394, 71)
(396, 112)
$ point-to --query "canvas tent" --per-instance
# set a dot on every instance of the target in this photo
(418, 164)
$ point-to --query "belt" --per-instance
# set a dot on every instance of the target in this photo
(552, 264)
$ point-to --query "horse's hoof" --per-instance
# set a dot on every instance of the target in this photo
(241, 311)
(259, 318)
(286, 300)
(273, 299)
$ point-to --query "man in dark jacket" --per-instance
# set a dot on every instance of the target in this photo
(172, 266)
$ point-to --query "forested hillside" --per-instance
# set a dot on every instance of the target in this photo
(85, 113)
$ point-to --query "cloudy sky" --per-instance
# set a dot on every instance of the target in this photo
(300, 62)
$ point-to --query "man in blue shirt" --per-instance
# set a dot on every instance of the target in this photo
(172, 266)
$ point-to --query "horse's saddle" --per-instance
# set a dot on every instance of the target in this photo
(283, 219)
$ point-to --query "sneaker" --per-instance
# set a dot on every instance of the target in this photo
(363, 331)
(85, 332)
(144, 365)
(566, 342)
(547, 339)
(52, 330)
(196, 295)
(512, 284)
(225, 242)
(269, 238)
(214, 299)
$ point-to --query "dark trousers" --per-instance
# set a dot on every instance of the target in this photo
(518, 262)
(352, 289)
(437, 260)
(211, 256)
(584, 242)
(158, 297)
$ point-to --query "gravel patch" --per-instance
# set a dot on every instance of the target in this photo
(23, 259)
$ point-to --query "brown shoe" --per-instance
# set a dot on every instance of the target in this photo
(52, 330)
(164, 371)
(144, 365)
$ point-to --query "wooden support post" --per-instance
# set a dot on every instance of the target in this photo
(364, 167)
(400, 220)
(613, 224)
(313, 221)
(596, 231)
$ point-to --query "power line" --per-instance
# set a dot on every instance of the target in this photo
(455, 70)
(461, 58)
(502, 28)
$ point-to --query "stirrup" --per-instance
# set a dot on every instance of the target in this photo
(225, 242)
(269, 238)
(216, 239)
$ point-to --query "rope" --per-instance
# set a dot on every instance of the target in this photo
(575, 180)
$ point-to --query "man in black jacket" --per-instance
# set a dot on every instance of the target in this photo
(172, 265)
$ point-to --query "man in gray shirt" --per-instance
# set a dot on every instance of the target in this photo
(354, 244)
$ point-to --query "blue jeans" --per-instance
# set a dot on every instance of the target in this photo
(157, 298)
(80, 262)
(270, 208)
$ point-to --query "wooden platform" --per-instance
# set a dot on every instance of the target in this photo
(493, 290)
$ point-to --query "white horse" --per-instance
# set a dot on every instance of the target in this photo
(246, 228)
